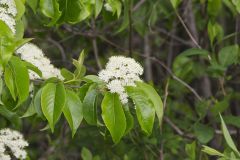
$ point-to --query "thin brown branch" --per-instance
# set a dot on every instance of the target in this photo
(187, 30)
(169, 34)
(165, 95)
(95, 47)
(147, 62)
(130, 29)
(177, 129)
(55, 43)
(138, 5)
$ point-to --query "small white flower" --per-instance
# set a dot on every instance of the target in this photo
(34, 55)
(14, 141)
(120, 72)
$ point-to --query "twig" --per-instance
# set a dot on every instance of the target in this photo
(221, 81)
(187, 30)
(64, 58)
(176, 129)
(130, 28)
(147, 62)
(94, 43)
(237, 28)
(165, 95)
(231, 132)
(138, 5)
(185, 42)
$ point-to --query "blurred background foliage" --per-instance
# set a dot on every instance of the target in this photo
(190, 52)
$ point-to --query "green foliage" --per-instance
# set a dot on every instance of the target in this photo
(113, 116)
(203, 133)
(229, 55)
(73, 111)
(190, 53)
(228, 138)
(90, 107)
(144, 108)
(230, 143)
(52, 102)
(154, 98)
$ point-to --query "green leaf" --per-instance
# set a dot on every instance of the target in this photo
(1, 89)
(75, 11)
(220, 106)
(144, 108)
(5, 30)
(73, 111)
(50, 8)
(211, 151)
(33, 4)
(125, 22)
(237, 5)
(19, 29)
(98, 7)
(21, 42)
(232, 120)
(10, 116)
(83, 91)
(86, 154)
(67, 74)
(80, 69)
(20, 9)
(214, 7)
(37, 103)
(90, 108)
(129, 119)
(154, 97)
(30, 111)
(33, 68)
(215, 31)
(113, 116)
(191, 150)
(9, 80)
(116, 6)
(21, 79)
(7, 45)
(228, 55)
(194, 52)
(203, 132)
(227, 136)
(175, 3)
(92, 79)
(52, 102)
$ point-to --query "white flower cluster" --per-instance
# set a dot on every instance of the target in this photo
(34, 55)
(13, 141)
(28, 52)
(8, 13)
(120, 72)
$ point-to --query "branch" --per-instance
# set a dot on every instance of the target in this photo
(95, 47)
(187, 30)
(130, 28)
(176, 129)
(138, 5)
(64, 58)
